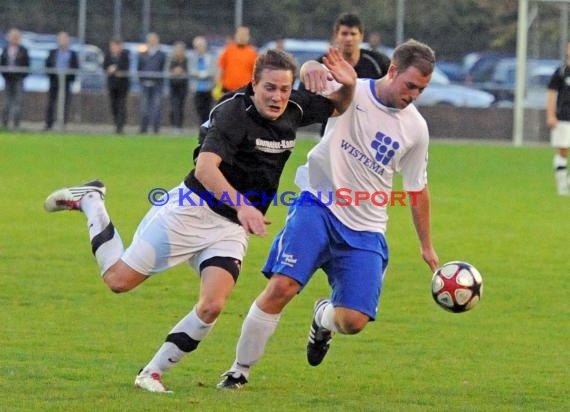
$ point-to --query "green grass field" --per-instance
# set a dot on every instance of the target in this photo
(68, 344)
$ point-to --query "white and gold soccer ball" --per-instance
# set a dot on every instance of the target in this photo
(457, 286)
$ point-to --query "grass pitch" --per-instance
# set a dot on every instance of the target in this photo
(69, 344)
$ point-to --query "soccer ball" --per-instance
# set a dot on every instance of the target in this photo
(457, 286)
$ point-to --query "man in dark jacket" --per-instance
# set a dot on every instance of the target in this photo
(59, 61)
(151, 67)
(14, 61)
(116, 66)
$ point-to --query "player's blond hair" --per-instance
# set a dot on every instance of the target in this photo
(416, 54)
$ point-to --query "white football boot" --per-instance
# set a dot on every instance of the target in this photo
(150, 382)
(69, 198)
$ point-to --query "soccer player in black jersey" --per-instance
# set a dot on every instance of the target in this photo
(558, 120)
(208, 218)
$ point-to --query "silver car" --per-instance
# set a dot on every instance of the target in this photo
(442, 92)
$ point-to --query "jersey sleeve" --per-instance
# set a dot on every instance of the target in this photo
(556, 80)
(413, 165)
(223, 136)
(315, 108)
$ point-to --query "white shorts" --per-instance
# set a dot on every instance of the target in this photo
(180, 232)
(560, 135)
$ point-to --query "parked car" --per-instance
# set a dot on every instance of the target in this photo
(310, 49)
(442, 92)
(538, 73)
(301, 49)
(454, 71)
(496, 74)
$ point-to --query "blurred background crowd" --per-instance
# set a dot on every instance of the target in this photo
(174, 51)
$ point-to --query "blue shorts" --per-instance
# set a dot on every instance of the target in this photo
(354, 261)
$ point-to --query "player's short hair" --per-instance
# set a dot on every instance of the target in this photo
(274, 60)
(416, 54)
(349, 20)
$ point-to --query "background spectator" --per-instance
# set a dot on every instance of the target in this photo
(116, 65)
(62, 59)
(236, 61)
(178, 69)
(151, 64)
(203, 73)
(14, 58)
(558, 120)
(375, 44)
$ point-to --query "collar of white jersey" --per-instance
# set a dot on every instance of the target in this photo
(379, 100)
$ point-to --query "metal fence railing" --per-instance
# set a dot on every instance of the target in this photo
(92, 81)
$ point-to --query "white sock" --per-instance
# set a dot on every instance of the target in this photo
(256, 330)
(181, 340)
(560, 165)
(106, 243)
(327, 317)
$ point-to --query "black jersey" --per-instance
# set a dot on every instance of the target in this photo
(253, 149)
(560, 82)
(372, 64)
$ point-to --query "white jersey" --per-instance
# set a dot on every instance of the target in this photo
(358, 156)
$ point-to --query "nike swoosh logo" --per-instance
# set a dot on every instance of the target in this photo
(360, 109)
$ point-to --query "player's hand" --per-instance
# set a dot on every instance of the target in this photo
(551, 122)
(252, 220)
(430, 257)
(315, 77)
(341, 70)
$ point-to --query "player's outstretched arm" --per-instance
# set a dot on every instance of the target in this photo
(340, 70)
(421, 217)
(320, 78)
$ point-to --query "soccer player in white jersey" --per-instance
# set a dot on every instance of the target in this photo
(381, 133)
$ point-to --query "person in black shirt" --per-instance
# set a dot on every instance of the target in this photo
(348, 34)
(14, 61)
(178, 69)
(150, 66)
(116, 64)
(207, 219)
(348, 37)
(558, 120)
